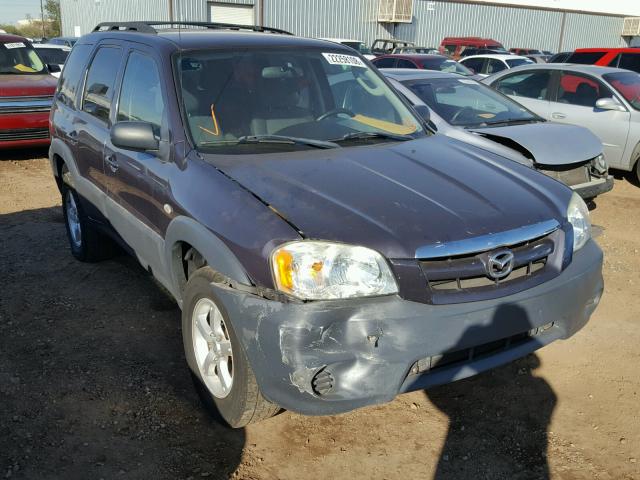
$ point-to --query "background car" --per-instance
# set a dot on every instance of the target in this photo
(53, 54)
(474, 113)
(426, 62)
(67, 41)
(525, 51)
(538, 58)
(425, 50)
(382, 46)
(603, 99)
(559, 57)
(489, 64)
(627, 58)
(357, 45)
(469, 51)
(455, 46)
(26, 90)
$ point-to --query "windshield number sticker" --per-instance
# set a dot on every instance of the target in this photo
(14, 45)
(339, 59)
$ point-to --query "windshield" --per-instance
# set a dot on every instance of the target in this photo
(19, 58)
(359, 46)
(297, 93)
(467, 103)
(627, 84)
(445, 65)
(516, 62)
(53, 55)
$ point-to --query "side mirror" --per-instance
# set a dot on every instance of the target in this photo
(423, 112)
(54, 68)
(610, 103)
(134, 136)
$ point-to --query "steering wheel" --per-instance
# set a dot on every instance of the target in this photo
(335, 111)
(461, 113)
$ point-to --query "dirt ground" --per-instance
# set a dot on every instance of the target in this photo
(93, 382)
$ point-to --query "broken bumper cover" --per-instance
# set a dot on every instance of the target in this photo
(594, 188)
(370, 349)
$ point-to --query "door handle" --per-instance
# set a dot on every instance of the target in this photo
(112, 162)
(558, 115)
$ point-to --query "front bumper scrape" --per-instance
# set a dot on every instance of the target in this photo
(364, 350)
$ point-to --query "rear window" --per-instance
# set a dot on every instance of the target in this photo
(53, 55)
(585, 58)
(516, 62)
(630, 61)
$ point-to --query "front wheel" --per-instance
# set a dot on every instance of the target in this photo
(221, 371)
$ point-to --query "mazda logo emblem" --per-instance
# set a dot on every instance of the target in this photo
(500, 264)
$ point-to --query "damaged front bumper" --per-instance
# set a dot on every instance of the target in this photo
(595, 187)
(329, 357)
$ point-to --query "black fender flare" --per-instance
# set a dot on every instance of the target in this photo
(215, 252)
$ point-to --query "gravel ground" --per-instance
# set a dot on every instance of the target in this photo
(93, 382)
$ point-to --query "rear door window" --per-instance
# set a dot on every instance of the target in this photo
(581, 90)
(141, 98)
(630, 61)
(526, 84)
(495, 66)
(385, 62)
(585, 58)
(101, 79)
(402, 63)
(474, 64)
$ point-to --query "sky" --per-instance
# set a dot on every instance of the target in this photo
(13, 10)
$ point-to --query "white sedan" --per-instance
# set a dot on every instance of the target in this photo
(52, 54)
(484, 65)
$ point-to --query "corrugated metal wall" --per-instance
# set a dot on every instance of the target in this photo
(88, 13)
(433, 20)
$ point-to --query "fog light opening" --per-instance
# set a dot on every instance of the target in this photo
(322, 382)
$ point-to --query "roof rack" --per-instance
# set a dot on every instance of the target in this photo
(146, 26)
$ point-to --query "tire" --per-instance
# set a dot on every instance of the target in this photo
(87, 243)
(241, 402)
(637, 170)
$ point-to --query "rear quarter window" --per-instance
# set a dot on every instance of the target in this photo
(72, 75)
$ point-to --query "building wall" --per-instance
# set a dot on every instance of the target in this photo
(433, 20)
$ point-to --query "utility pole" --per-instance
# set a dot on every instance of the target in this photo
(171, 10)
(42, 19)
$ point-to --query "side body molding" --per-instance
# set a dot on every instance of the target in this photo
(215, 251)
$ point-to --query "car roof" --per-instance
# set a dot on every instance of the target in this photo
(52, 45)
(8, 37)
(403, 74)
(497, 56)
(588, 69)
(338, 40)
(608, 50)
(413, 56)
(204, 39)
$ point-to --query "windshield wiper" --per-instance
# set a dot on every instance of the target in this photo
(285, 139)
(513, 121)
(366, 135)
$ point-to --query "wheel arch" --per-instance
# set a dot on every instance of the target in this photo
(185, 233)
(60, 155)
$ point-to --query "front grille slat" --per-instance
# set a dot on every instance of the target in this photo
(25, 134)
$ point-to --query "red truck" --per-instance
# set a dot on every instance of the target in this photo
(627, 58)
(26, 93)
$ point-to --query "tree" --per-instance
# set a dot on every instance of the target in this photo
(52, 13)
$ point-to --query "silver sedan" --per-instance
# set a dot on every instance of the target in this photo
(605, 100)
(474, 113)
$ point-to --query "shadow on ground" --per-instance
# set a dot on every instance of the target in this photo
(93, 379)
(498, 420)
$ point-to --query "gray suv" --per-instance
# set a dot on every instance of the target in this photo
(327, 250)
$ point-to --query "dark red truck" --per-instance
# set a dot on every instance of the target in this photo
(26, 92)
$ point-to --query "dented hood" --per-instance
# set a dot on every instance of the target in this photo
(398, 197)
(547, 143)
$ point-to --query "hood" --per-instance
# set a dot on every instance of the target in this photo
(396, 198)
(27, 85)
(546, 143)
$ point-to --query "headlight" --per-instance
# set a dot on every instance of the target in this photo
(578, 216)
(600, 164)
(316, 270)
